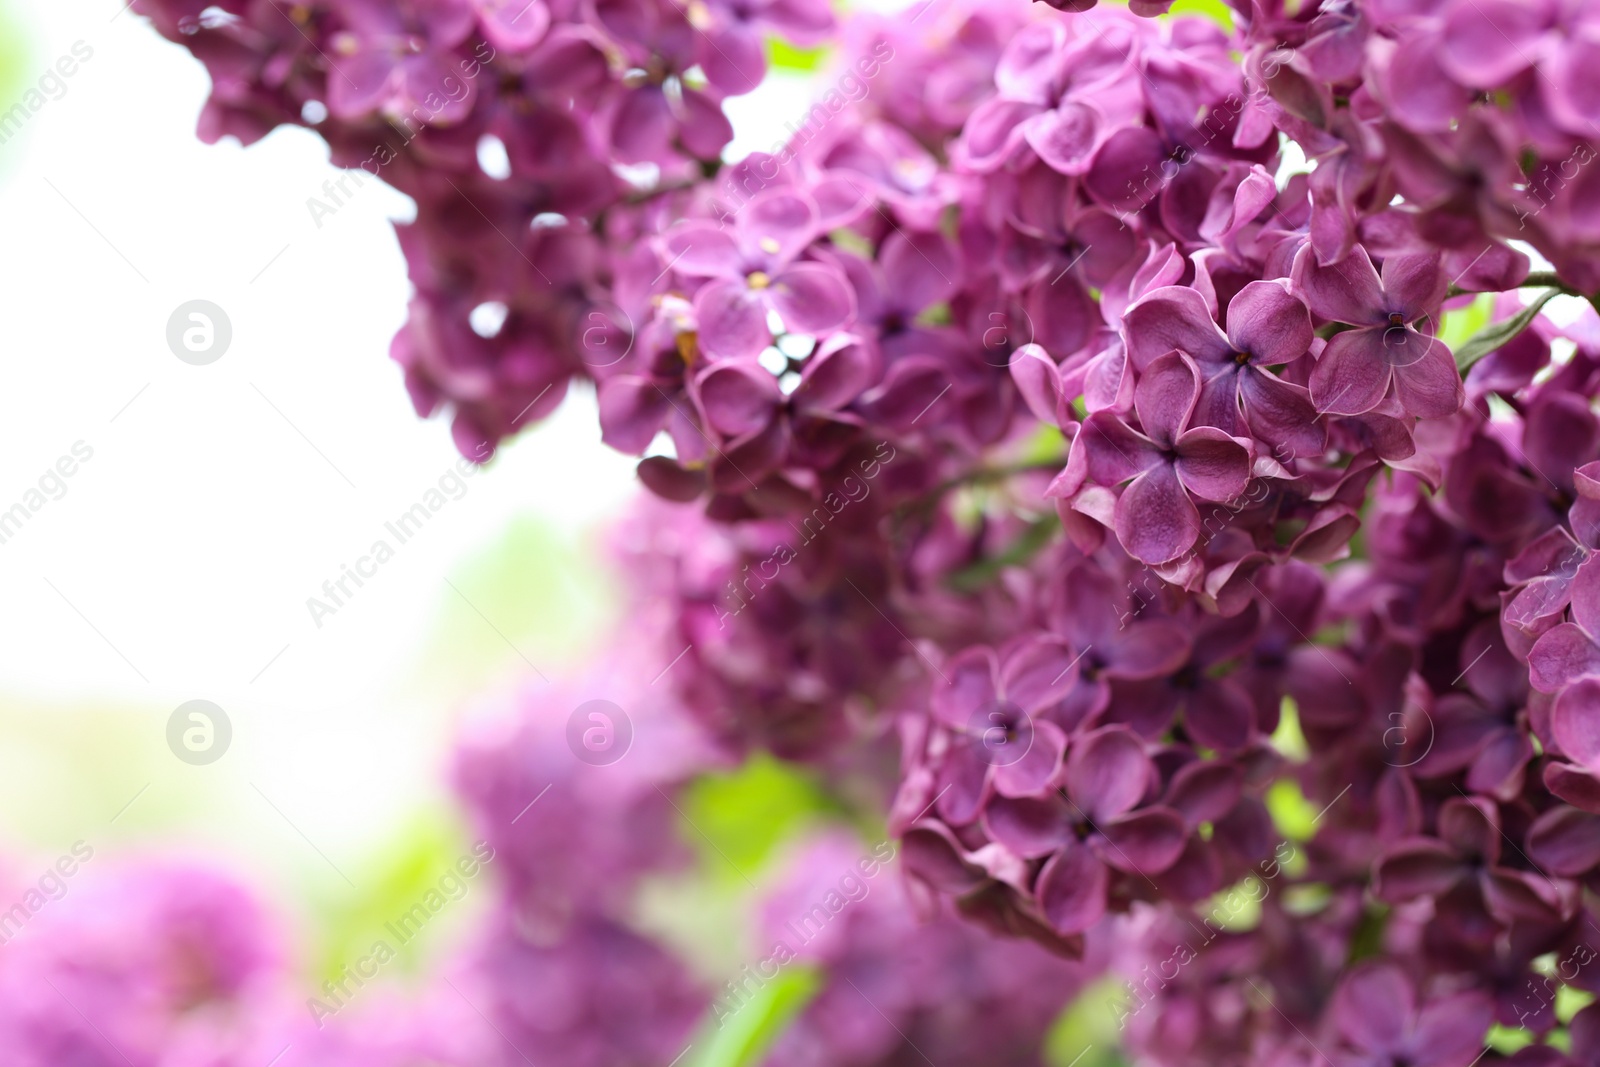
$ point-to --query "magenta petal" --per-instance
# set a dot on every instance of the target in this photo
(1563, 653)
(1066, 137)
(1038, 379)
(1348, 291)
(642, 126)
(1575, 722)
(1173, 317)
(993, 133)
(919, 270)
(1031, 775)
(931, 855)
(811, 298)
(1585, 591)
(1220, 715)
(733, 58)
(1127, 172)
(1486, 43)
(1281, 414)
(738, 398)
(1422, 867)
(1565, 842)
(1575, 785)
(1166, 396)
(632, 412)
(841, 369)
(669, 481)
(1148, 650)
(1114, 453)
(1072, 889)
(1107, 772)
(1424, 97)
(733, 320)
(1029, 827)
(963, 782)
(513, 24)
(1374, 1005)
(1154, 518)
(1211, 464)
(1204, 791)
(1147, 841)
(702, 249)
(1414, 284)
(1449, 1031)
(777, 224)
(1431, 387)
(1268, 323)
(1351, 376)
(1039, 673)
(971, 687)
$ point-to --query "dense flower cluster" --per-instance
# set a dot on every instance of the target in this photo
(1075, 388)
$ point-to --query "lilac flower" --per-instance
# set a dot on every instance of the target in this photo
(1377, 1013)
(399, 56)
(1168, 465)
(754, 270)
(1266, 327)
(1355, 370)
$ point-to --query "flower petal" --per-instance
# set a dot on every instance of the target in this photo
(1107, 772)
(738, 398)
(733, 320)
(1348, 291)
(1154, 518)
(1173, 317)
(1270, 324)
(1072, 888)
(1352, 375)
(811, 298)
(1565, 842)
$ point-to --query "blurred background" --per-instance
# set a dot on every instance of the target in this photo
(176, 561)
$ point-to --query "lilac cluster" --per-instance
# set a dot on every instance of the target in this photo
(1070, 390)
(893, 989)
(165, 964)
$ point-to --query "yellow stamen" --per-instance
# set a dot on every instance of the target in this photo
(758, 280)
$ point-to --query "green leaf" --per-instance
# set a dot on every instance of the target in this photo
(1215, 10)
(1288, 737)
(785, 56)
(742, 1037)
(738, 819)
(1088, 1031)
(1293, 815)
(1507, 1039)
(1492, 337)
(1456, 327)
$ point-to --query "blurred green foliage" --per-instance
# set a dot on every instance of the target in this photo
(1087, 1034)
(744, 1036)
(419, 852)
(737, 820)
(782, 55)
(532, 592)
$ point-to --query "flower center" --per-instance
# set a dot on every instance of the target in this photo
(758, 280)
(1240, 358)
(1397, 319)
